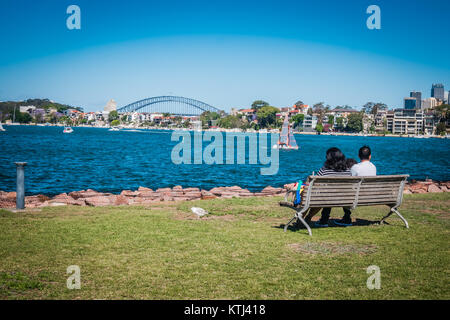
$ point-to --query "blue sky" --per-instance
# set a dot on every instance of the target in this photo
(225, 53)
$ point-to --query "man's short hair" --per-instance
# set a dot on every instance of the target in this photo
(364, 153)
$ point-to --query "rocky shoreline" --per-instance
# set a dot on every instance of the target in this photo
(144, 196)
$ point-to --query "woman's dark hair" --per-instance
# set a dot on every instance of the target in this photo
(350, 162)
(335, 160)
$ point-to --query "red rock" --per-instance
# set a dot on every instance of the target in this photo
(434, 188)
(444, 189)
(406, 191)
(144, 189)
(129, 193)
(99, 201)
(191, 190)
(162, 190)
(10, 196)
(121, 200)
(86, 194)
(207, 195)
(192, 194)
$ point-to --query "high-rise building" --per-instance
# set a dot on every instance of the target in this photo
(429, 103)
(418, 96)
(437, 91)
(410, 103)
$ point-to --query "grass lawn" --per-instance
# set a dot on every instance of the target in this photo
(238, 252)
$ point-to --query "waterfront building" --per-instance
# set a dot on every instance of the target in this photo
(27, 109)
(410, 103)
(342, 112)
(437, 91)
(309, 123)
(418, 96)
(250, 114)
(380, 120)
(408, 121)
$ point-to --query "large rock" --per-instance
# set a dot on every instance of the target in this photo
(129, 193)
(434, 188)
(85, 194)
(272, 191)
(100, 201)
(121, 200)
(206, 195)
(144, 189)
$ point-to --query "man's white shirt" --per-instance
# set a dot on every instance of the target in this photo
(365, 168)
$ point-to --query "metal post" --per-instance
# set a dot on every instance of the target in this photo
(20, 197)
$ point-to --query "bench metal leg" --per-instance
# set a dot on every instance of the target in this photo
(394, 210)
(306, 225)
(299, 216)
(290, 221)
(401, 217)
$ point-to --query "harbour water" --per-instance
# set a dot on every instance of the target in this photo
(111, 161)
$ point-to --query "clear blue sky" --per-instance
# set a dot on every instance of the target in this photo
(226, 53)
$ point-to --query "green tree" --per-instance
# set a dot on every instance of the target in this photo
(208, 116)
(115, 122)
(330, 120)
(230, 122)
(299, 103)
(267, 116)
(23, 117)
(441, 128)
(113, 115)
(355, 122)
(298, 119)
(340, 123)
(258, 104)
(319, 127)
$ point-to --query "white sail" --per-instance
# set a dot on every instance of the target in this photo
(287, 139)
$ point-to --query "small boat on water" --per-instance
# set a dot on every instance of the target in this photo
(287, 140)
(1, 128)
(68, 130)
(114, 129)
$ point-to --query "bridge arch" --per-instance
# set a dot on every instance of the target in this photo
(170, 104)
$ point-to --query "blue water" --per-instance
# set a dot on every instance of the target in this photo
(112, 161)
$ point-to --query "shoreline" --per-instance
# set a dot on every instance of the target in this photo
(145, 196)
(237, 130)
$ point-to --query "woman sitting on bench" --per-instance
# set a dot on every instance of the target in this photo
(335, 165)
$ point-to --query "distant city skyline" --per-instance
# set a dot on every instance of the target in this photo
(222, 53)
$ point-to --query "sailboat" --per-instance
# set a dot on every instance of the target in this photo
(287, 139)
(68, 130)
(1, 128)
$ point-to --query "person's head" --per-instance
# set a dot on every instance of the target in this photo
(335, 160)
(350, 162)
(365, 153)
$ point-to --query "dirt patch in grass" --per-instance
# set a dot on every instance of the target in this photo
(330, 248)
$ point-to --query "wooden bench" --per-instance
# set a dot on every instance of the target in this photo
(349, 192)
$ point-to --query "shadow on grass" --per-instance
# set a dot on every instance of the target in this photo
(295, 226)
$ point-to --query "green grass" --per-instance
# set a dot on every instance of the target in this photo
(238, 252)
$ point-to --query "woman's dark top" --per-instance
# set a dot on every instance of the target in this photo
(330, 172)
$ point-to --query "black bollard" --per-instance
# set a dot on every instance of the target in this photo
(20, 191)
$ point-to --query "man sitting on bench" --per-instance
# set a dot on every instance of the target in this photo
(364, 168)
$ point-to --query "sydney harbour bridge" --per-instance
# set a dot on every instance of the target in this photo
(169, 104)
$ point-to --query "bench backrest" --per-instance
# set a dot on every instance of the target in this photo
(336, 191)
